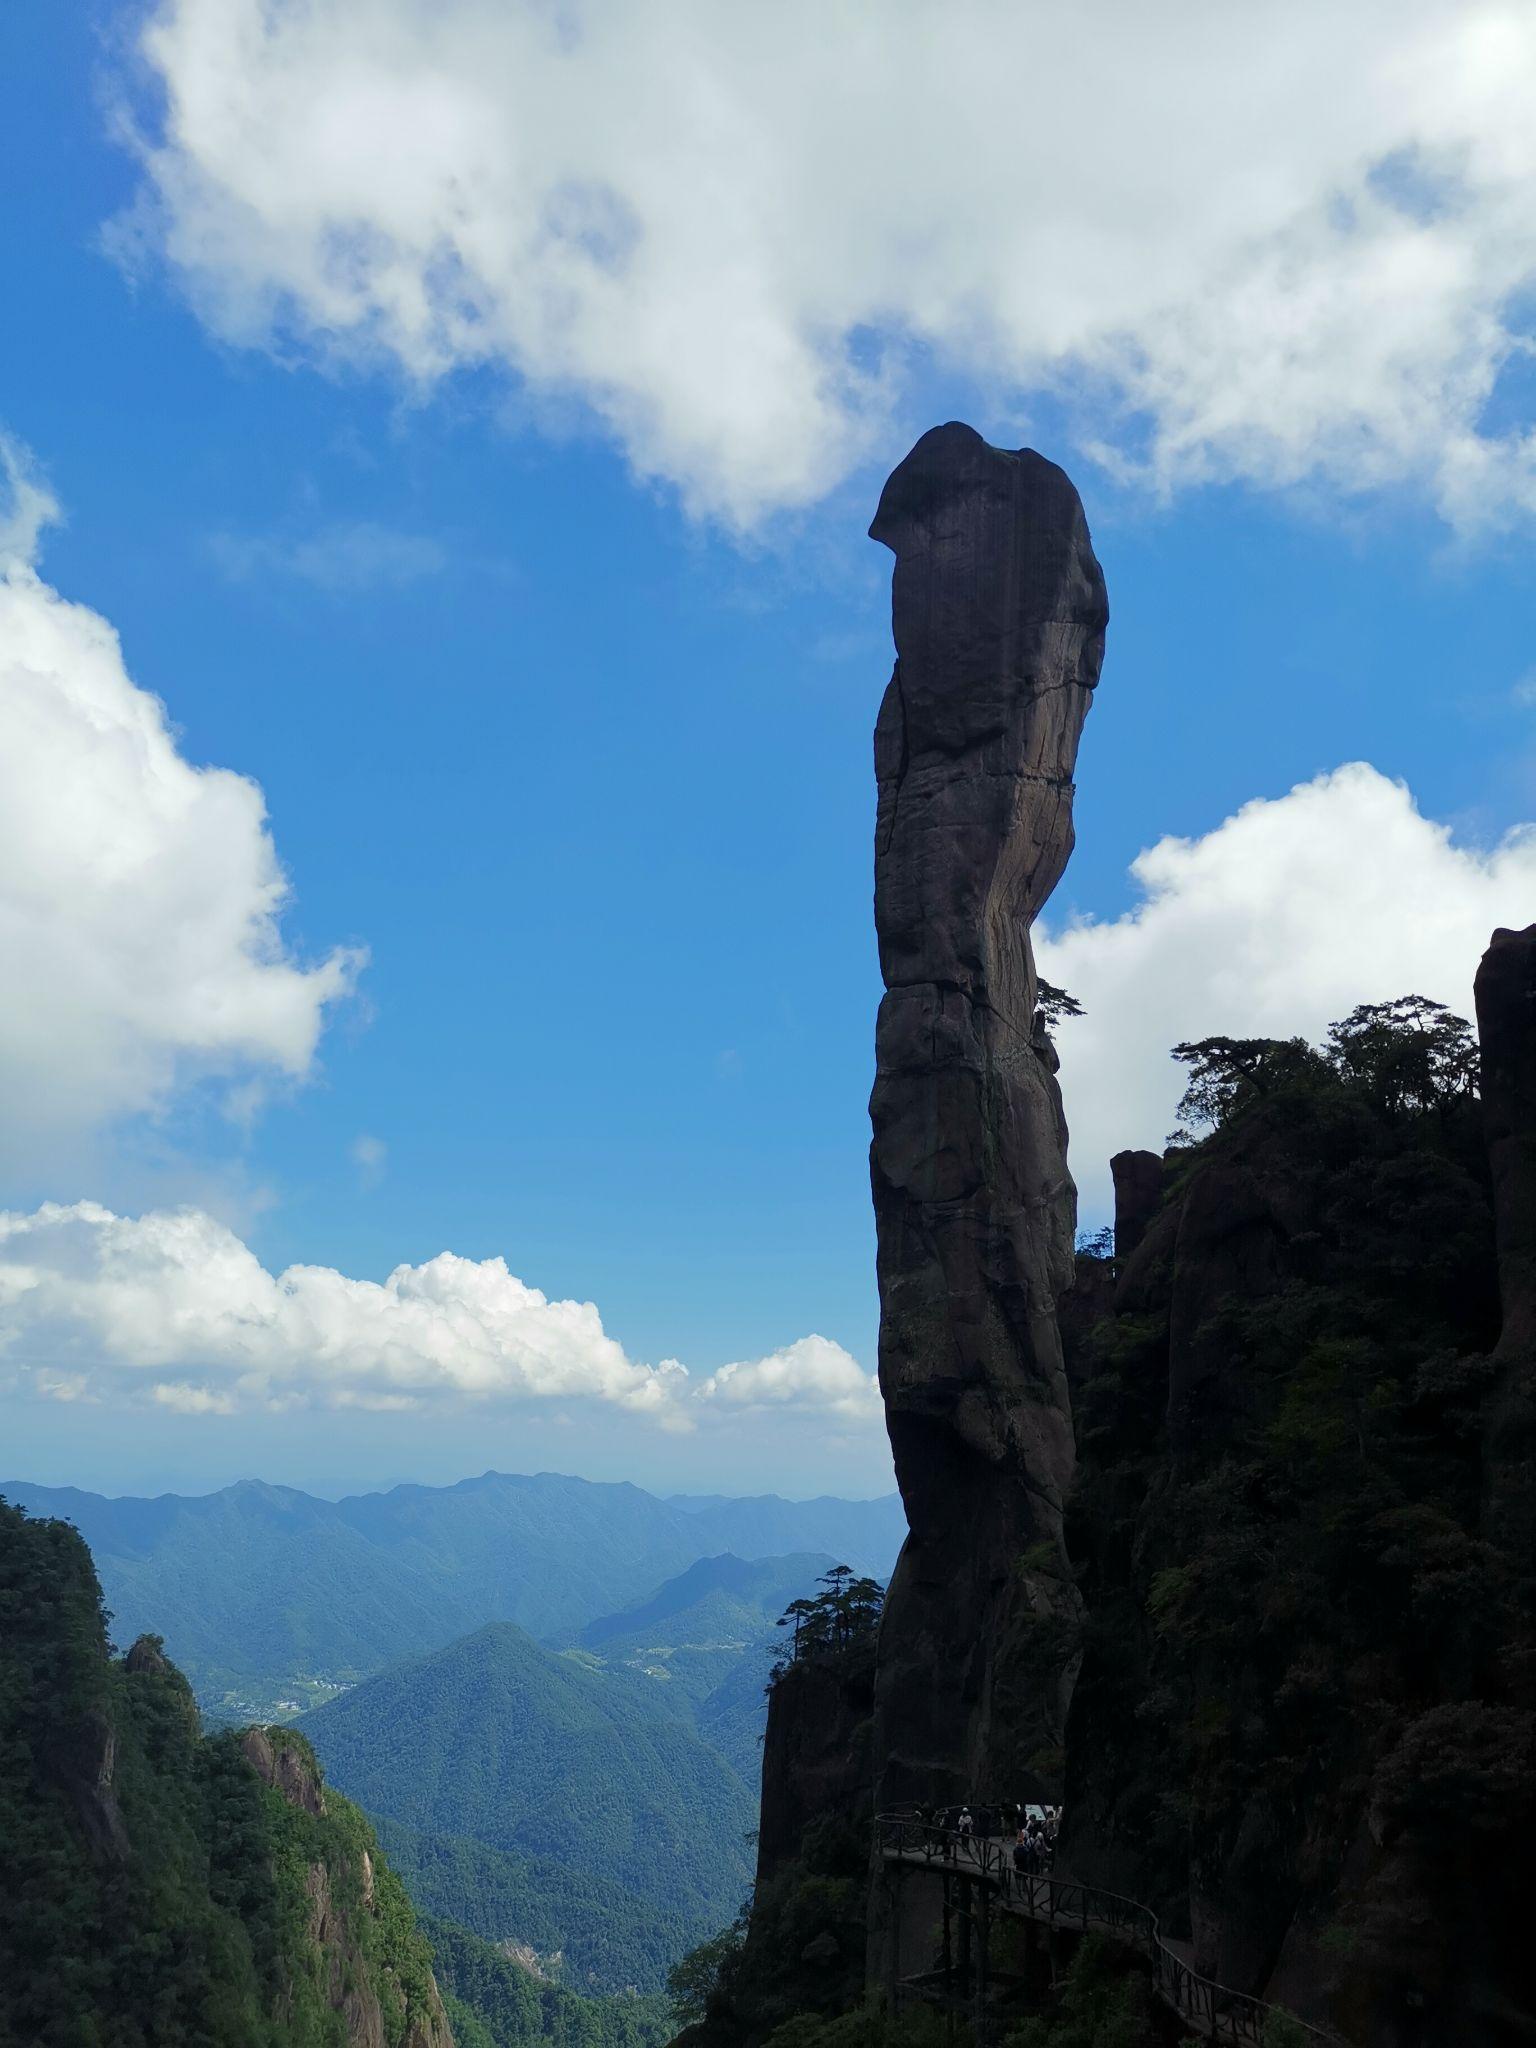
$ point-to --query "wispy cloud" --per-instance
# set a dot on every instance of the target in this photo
(344, 558)
(368, 1155)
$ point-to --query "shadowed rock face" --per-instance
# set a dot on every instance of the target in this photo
(816, 1759)
(1138, 1178)
(998, 610)
(1506, 1024)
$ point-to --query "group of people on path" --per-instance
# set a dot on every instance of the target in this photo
(1034, 1845)
(1033, 1829)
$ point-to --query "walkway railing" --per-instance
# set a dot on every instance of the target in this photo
(1219, 2013)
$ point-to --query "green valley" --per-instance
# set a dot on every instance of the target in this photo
(536, 1754)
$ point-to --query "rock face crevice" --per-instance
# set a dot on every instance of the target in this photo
(998, 612)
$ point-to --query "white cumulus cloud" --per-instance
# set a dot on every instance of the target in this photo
(813, 1371)
(173, 1309)
(1287, 241)
(140, 894)
(1276, 923)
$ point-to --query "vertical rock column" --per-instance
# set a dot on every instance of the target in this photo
(1506, 1022)
(998, 610)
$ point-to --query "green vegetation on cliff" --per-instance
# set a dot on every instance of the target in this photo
(158, 1893)
(803, 1949)
(1299, 1716)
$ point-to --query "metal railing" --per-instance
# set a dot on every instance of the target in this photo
(1219, 2013)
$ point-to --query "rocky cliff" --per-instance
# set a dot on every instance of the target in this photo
(1303, 1726)
(803, 1950)
(998, 613)
(164, 1890)
(817, 1758)
(360, 1951)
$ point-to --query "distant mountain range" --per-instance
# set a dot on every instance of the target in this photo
(711, 1610)
(271, 1599)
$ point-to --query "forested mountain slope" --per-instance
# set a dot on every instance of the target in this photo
(589, 1932)
(163, 1890)
(535, 1753)
(720, 1594)
(495, 2003)
(692, 1632)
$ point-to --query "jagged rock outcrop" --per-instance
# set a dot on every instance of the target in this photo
(351, 1987)
(998, 612)
(81, 1755)
(146, 1657)
(354, 1979)
(1506, 1021)
(287, 1770)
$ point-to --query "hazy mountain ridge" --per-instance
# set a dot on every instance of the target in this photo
(706, 1641)
(714, 1592)
(259, 1590)
(866, 1534)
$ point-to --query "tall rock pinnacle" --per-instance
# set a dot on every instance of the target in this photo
(999, 611)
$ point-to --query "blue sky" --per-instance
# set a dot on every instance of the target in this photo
(577, 748)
